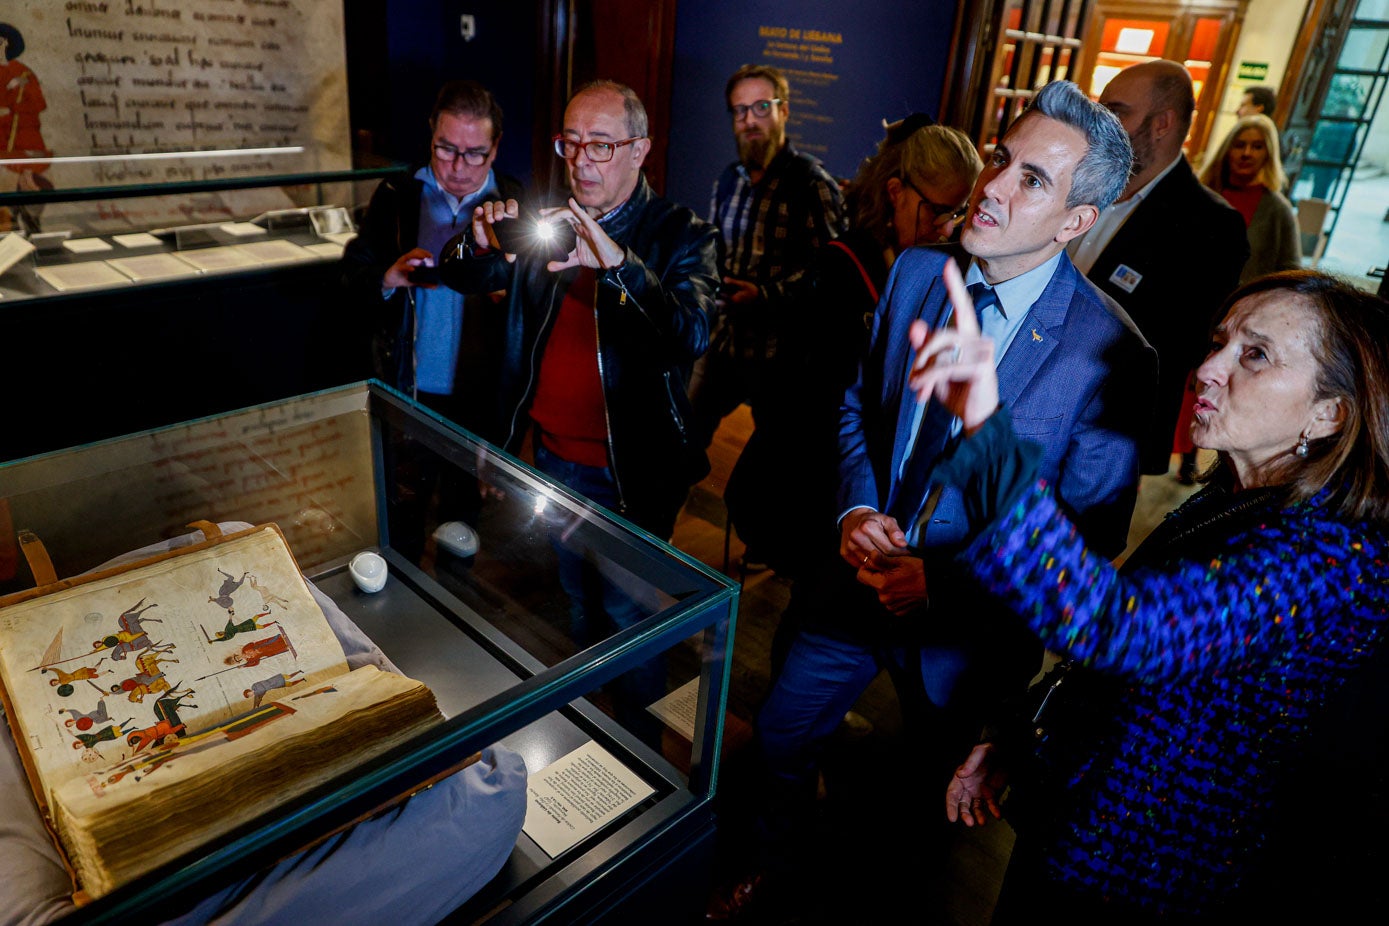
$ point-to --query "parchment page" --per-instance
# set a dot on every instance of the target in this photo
(102, 670)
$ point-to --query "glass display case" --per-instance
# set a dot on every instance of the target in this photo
(476, 604)
(78, 241)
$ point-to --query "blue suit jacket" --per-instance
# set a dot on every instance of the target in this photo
(1078, 380)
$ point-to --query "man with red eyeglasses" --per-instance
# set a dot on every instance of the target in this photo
(775, 207)
(601, 339)
(600, 343)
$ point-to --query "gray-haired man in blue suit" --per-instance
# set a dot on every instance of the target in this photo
(1078, 378)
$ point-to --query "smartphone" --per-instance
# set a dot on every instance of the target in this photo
(530, 234)
(423, 275)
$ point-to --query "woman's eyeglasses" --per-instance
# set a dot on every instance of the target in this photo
(936, 209)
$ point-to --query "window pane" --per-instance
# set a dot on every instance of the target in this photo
(1333, 141)
(1347, 95)
(1372, 9)
(1364, 49)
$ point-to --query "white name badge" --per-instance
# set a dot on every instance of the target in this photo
(1126, 278)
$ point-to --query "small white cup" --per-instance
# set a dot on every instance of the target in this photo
(368, 571)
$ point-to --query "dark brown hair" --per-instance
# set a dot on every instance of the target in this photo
(467, 99)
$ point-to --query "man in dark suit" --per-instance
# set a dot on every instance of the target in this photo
(1077, 377)
(1169, 250)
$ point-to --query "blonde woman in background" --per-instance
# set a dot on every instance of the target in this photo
(1247, 170)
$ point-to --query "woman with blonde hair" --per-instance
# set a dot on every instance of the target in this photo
(1248, 172)
(914, 189)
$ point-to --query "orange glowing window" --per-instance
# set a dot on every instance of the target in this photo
(1204, 39)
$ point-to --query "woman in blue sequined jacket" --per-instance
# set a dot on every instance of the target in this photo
(1152, 771)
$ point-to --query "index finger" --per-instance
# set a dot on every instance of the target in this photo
(551, 212)
(586, 220)
(965, 320)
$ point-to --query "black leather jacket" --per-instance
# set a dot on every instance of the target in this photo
(389, 229)
(652, 314)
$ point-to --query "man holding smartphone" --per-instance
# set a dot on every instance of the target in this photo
(428, 341)
(601, 338)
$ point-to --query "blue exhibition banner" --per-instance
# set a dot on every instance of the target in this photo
(850, 66)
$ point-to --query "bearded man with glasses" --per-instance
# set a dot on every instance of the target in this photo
(775, 207)
(427, 340)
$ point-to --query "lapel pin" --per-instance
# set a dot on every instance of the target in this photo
(1035, 335)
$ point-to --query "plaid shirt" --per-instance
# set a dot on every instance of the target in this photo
(771, 231)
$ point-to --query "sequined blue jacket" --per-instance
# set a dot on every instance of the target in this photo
(1204, 664)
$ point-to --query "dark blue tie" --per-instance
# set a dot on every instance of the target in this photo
(984, 296)
(910, 495)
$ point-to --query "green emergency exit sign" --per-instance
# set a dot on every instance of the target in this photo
(1253, 70)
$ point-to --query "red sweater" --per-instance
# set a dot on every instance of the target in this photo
(568, 407)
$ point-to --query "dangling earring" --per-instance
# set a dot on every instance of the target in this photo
(1301, 449)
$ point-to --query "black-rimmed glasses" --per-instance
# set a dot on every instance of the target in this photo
(761, 109)
(936, 209)
(473, 157)
(598, 151)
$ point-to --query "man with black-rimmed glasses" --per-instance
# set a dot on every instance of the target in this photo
(775, 207)
(427, 340)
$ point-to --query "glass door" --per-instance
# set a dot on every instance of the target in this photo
(1347, 111)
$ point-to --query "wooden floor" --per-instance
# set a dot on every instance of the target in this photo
(869, 776)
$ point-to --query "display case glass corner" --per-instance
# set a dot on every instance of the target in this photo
(476, 605)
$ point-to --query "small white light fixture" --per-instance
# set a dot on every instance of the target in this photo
(1134, 41)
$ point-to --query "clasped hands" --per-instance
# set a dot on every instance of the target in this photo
(874, 544)
(592, 248)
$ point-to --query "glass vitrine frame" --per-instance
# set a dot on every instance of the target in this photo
(546, 701)
(231, 209)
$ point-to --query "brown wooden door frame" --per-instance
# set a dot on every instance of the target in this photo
(975, 64)
(1181, 14)
(1307, 79)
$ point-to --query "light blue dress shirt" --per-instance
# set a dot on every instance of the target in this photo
(439, 311)
(1002, 322)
